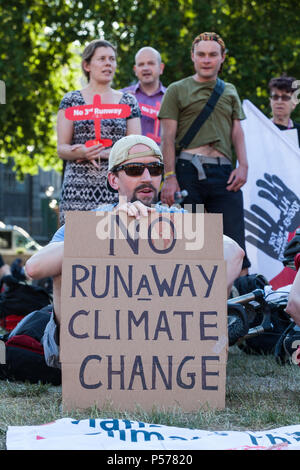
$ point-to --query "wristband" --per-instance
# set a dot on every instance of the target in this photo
(169, 174)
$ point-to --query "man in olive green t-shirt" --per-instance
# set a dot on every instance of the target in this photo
(204, 168)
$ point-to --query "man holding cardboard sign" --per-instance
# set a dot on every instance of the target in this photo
(135, 172)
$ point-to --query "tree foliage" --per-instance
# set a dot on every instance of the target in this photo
(40, 43)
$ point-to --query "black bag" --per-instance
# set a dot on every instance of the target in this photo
(250, 282)
(292, 249)
(25, 359)
(18, 300)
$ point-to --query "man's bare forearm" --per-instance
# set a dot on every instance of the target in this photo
(47, 262)
(168, 151)
(238, 140)
(168, 143)
(293, 305)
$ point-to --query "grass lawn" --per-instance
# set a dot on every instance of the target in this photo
(260, 394)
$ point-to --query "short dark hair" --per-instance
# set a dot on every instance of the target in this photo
(209, 37)
(90, 50)
(283, 83)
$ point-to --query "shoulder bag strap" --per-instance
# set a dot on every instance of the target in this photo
(204, 114)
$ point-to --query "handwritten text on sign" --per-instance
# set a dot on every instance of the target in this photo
(140, 320)
(144, 315)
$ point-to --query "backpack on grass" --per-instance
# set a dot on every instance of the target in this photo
(18, 299)
(24, 351)
(250, 282)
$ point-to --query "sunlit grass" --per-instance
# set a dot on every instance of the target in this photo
(260, 394)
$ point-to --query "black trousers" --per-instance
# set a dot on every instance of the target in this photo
(212, 193)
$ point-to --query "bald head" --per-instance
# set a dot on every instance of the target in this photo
(150, 50)
(148, 68)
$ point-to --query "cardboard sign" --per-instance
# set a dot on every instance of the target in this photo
(152, 112)
(96, 112)
(144, 311)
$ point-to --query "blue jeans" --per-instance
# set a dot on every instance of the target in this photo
(216, 198)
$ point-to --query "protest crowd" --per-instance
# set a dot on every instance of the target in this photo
(178, 146)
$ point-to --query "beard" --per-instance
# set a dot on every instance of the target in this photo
(147, 201)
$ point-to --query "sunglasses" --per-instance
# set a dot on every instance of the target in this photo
(137, 169)
(281, 97)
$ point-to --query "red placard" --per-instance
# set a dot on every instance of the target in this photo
(97, 112)
(152, 112)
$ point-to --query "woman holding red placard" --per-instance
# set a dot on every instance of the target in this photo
(78, 144)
